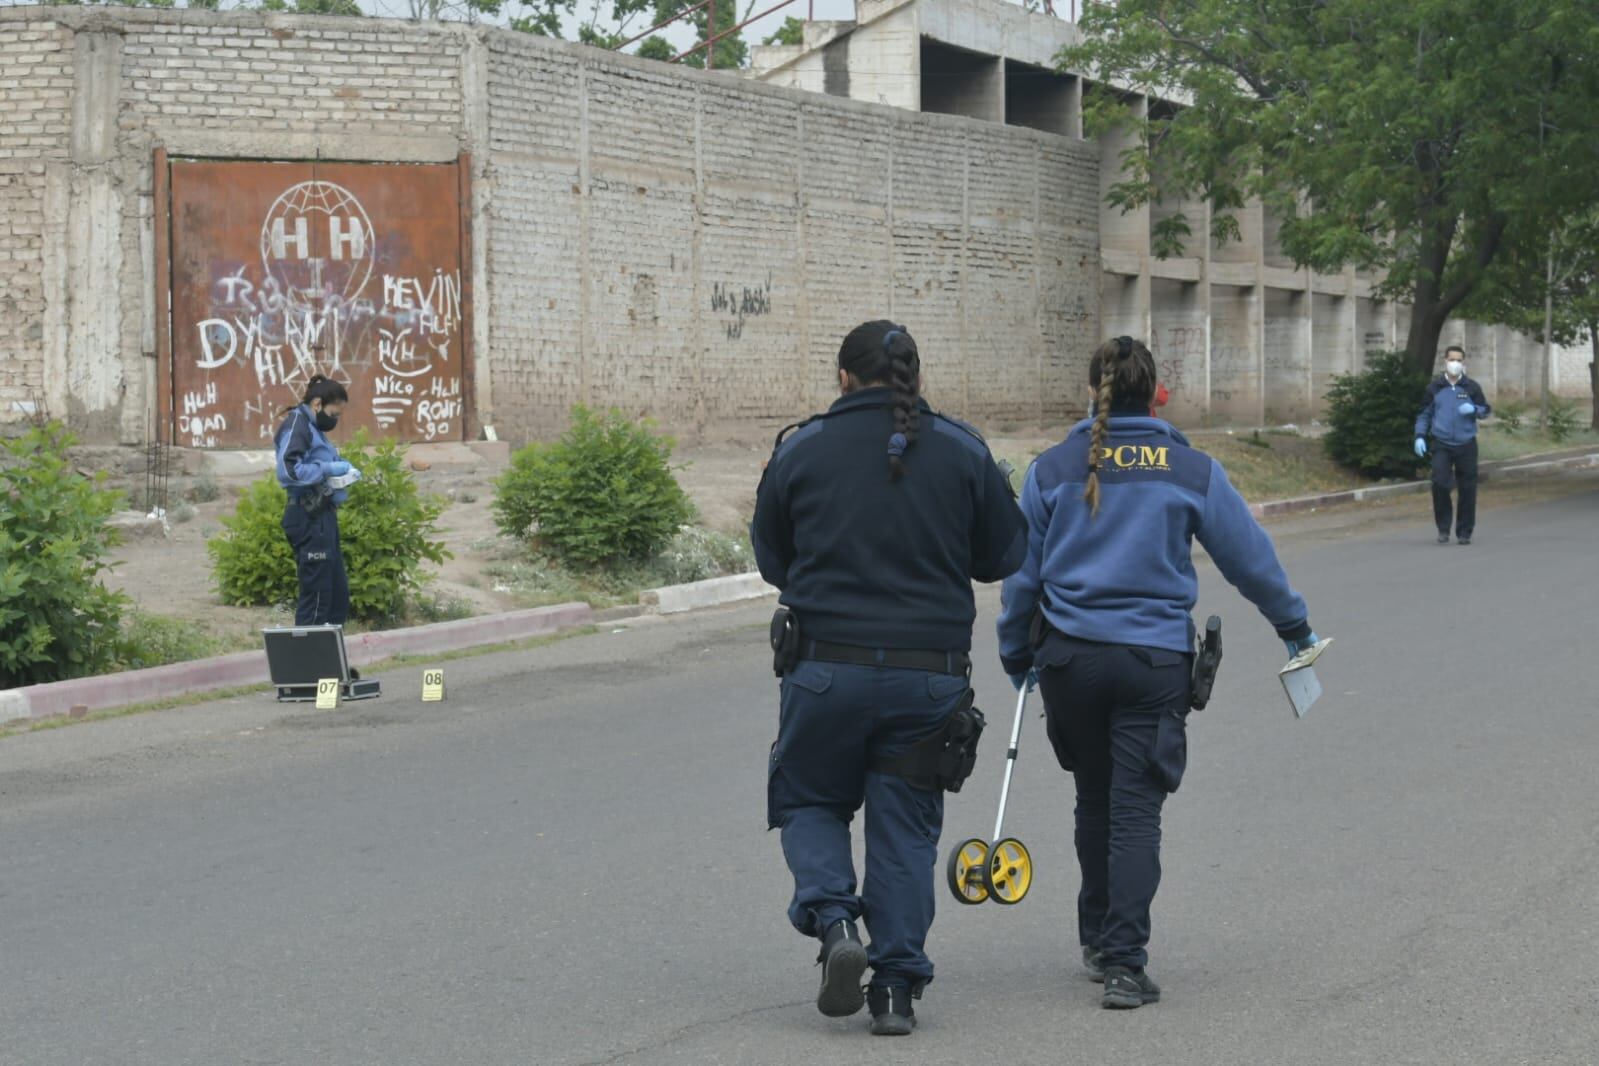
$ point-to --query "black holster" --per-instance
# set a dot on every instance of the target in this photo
(945, 759)
(1206, 660)
(785, 636)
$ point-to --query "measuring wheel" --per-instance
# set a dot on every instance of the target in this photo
(966, 870)
(1008, 874)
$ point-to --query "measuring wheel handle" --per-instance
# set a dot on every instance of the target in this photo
(1008, 873)
(966, 870)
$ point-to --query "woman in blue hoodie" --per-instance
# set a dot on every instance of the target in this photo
(1098, 617)
(310, 469)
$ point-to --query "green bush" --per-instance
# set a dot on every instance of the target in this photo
(155, 640)
(387, 530)
(57, 619)
(1372, 417)
(603, 494)
(1510, 416)
(1561, 422)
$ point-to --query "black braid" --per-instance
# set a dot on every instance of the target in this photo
(883, 353)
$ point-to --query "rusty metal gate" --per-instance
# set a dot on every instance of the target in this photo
(284, 270)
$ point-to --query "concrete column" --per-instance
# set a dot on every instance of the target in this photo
(85, 371)
(475, 94)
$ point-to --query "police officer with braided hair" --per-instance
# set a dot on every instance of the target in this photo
(1099, 616)
(873, 519)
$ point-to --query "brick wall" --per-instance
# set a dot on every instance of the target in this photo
(36, 86)
(731, 234)
(684, 245)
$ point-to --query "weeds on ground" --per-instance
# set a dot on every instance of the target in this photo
(694, 554)
(156, 640)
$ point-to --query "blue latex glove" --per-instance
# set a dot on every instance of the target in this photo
(338, 468)
(1029, 678)
(1468, 408)
(1296, 646)
(1421, 448)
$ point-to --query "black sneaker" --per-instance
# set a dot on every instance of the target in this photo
(1465, 540)
(891, 1011)
(1096, 967)
(1126, 988)
(843, 961)
(1443, 538)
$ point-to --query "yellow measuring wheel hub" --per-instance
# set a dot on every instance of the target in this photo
(966, 870)
(1008, 873)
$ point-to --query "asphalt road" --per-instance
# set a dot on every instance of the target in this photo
(566, 862)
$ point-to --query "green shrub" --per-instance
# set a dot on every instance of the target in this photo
(1372, 417)
(1561, 422)
(1510, 416)
(57, 619)
(155, 640)
(387, 530)
(604, 493)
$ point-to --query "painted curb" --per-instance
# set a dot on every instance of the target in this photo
(249, 667)
(675, 599)
(1498, 467)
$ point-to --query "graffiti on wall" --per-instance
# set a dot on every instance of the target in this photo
(327, 293)
(739, 303)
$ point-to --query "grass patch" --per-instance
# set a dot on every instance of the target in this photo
(158, 640)
(536, 579)
(1495, 441)
(1280, 468)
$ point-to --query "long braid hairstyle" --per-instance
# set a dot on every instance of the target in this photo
(1122, 375)
(883, 353)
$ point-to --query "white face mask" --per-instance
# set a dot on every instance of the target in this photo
(1455, 368)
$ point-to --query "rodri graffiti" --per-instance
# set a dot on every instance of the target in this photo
(318, 285)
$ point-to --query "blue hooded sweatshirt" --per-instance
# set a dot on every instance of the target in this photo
(1126, 575)
(304, 454)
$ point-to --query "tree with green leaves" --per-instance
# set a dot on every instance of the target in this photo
(1550, 290)
(791, 32)
(610, 25)
(1418, 140)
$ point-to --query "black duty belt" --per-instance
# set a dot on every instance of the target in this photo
(957, 663)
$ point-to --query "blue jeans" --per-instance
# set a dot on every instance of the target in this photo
(835, 719)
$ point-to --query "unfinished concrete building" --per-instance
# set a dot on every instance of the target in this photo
(1241, 336)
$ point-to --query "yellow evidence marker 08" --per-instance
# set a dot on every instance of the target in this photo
(327, 694)
(432, 686)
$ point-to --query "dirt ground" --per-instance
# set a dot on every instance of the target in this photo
(172, 576)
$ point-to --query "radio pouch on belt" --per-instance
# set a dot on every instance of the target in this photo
(1206, 660)
(785, 641)
(945, 759)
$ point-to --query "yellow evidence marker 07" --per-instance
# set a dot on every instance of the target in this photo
(432, 686)
(327, 694)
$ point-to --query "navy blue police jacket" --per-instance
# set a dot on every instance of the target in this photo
(867, 561)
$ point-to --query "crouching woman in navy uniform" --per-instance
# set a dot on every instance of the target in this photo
(1111, 515)
(873, 519)
(306, 460)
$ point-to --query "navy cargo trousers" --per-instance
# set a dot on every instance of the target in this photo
(1117, 719)
(834, 720)
(319, 563)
